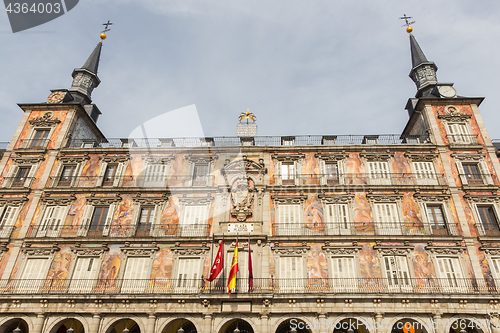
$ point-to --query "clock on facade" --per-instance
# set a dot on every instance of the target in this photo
(447, 91)
(56, 97)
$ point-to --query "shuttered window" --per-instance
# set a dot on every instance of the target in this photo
(378, 173)
(436, 216)
(387, 219)
(84, 274)
(338, 221)
(343, 273)
(289, 219)
(136, 277)
(458, 133)
(34, 274)
(450, 273)
(195, 220)
(8, 217)
(495, 267)
(155, 175)
(67, 175)
(397, 272)
(291, 273)
(188, 275)
(424, 173)
(288, 173)
(200, 174)
(52, 221)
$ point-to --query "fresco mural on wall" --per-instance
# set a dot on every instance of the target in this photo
(39, 172)
(485, 267)
(161, 271)
(422, 264)
(272, 172)
(88, 176)
(74, 217)
(314, 218)
(59, 114)
(468, 216)
(121, 224)
(362, 215)
(356, 170)
(110, 268)
(310, 169)
(401, 168)
(170, 217)
(5, 259)
(317, 268)
(178, 171)
(59, 269)
(21, 217)
(468, 265)
(369, 264)
(411, 214)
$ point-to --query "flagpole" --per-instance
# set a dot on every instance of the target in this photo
(211, 257)
(236, 275)
(223, 266)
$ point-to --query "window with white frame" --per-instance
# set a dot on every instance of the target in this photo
(387, 218)
(98, 217)
(292, 273)
(22, 172)
(485, 211)
(188, 274)
(396, 270)
(289, 219)
(8, 217)
(288, 168)
(68, 170)
(332, 168)
(495, 267)
(33, 275)
(85, 273)
(201, 172)
(155, 175)
(473, 169)
(338, 218)
(343, 271)
(199, 169)
(458, 133)
(450, 273)
(425, 173)
(195, 213)
(52, 221)
(378, 173)
(147, 215)
(111, 170)
(136, 275)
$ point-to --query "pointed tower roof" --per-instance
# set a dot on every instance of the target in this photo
(92, 63)
(417, 55)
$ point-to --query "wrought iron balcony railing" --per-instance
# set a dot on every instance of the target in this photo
(361, 228)
(198, 230)
(373, 178)
(463, 139)
(301, 140)
(17, 182)
(140, 181)
(32, 144)
(168, 287)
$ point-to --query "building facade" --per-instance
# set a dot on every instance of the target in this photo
(353, 234)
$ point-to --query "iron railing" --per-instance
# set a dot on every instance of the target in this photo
(166, 286)
(142, 181)
(463, 139)
(300, 140)
(6, 231)
(17, 182)
(364, 179)
(198, 230)
(32, 144)
(361, 228)
(475, 178)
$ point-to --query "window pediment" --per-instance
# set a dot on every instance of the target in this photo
(58, 201)
(455, 116)
(336, 198)
(185, 200)
(341, 250)
(245, 165)
(445, 249)
(494, 251)
(289, 199)
(46, 120)
(290, 250)
(432, 197)
(468, 157)
(19, 159)
(149, 200)
(97, 201)
(40, 251)
(115, 159)
(90, 251)
(377, 156)
(481, 198)
(201, 158)
(421, 157)
(142, 251)
(158, 159)
(288, 157)
(190, 250)
(73, 159)
(13, 201)
(332, 157)
(404, 249)
(384, 197)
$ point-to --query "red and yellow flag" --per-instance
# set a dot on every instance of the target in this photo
(231, 284)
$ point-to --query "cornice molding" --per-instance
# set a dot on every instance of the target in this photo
(455, 116)
(377, 156)
(288, 157)
(90, 251)
(73, 159)
(190, 250)
(494, 251)
(336, 198)
(136, 251)
(434, 197)
(445, 249)
(421, 157)
(341, 250)
(290, 199)
(96, 201)
(332, 157)
(149, 200)
(192, 158)
(372, 197)
(19, 159)
(290, 250)
(481, 198)
(58, 201)
(148, 159)
(13, 201)
(185, 200)
(404, 249)
(475, 157)
(114, 159)
(40, 251)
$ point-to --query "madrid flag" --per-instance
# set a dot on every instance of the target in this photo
(234, 269)
(218, 263)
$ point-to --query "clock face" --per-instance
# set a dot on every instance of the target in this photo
(447, 91)
(56, 97)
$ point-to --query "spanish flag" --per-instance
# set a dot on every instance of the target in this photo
(231, 284)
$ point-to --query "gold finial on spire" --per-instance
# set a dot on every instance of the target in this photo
(106, 29)
(407, 24)
(247, 115)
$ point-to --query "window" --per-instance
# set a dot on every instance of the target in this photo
(68, 170)
(450, 273)
(495, 265)
(137, 274)
(291, 274)
(287, 168)
(195, 220)
(34, 274)
(96, 220)
(52, 221)
(155, 175)
(437, 220)
(387, 219)
(332, 173)
(109, 175)
(146, 219)
(188, 275)
(424, 173)
(343, 272)
(338, 221)
(378, 173)
(396, 271)
(8, 217)
(20, 176)
(287, 174)
(242, 277)
(84, 275)
(289, 219)
(489, 220)
(472, 169)
(471, 172)
(111, 170)
(40, 138)
(67, 175)
(458, 133)
(200, 175)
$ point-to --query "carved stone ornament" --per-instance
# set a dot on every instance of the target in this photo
(245, 166)
(97, 201)
(13, 201)
(481, 198)
(19, 159)
(185, 200)
(494, 251)
(58, 201)
(73, 159)
(190, 250)
(437, 197)
(384, 197)
(148, 159)
(421, 157)
(201, 158)
(288, 157)
(46, 120)
(90, 251)
(376, 156)
(290, 250)
(136, 251)
(455, 117)
(40, 251)
(154, 201)
(242, 197)
(336, 198)
(332, 157)
(289, 199)
(341, 250)
(393, 249)
(445, 249)
(468, 157)
(115, 159)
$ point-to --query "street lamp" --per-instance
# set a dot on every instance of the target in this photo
(16, 330)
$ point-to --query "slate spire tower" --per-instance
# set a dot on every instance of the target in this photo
(85, 78)
(423, 72)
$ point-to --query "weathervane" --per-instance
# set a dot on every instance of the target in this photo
(408, 23)
(106, 29)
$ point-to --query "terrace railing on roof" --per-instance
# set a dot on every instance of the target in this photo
(262, 141)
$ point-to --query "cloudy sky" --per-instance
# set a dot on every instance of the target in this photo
(303, 67)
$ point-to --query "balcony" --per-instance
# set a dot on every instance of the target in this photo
(72, 231)
(17, 182)
(463, 139)
(360, 228)
(262, 141)
(139, 181)
(168, 287)
(32, 144)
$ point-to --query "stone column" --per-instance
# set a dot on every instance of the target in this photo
(379, 325)
(150, 327)
(322, 321)
(264, 323)
(38, 325)
(438, 323)
(94, 325)
(494, 323)
(207, 324)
